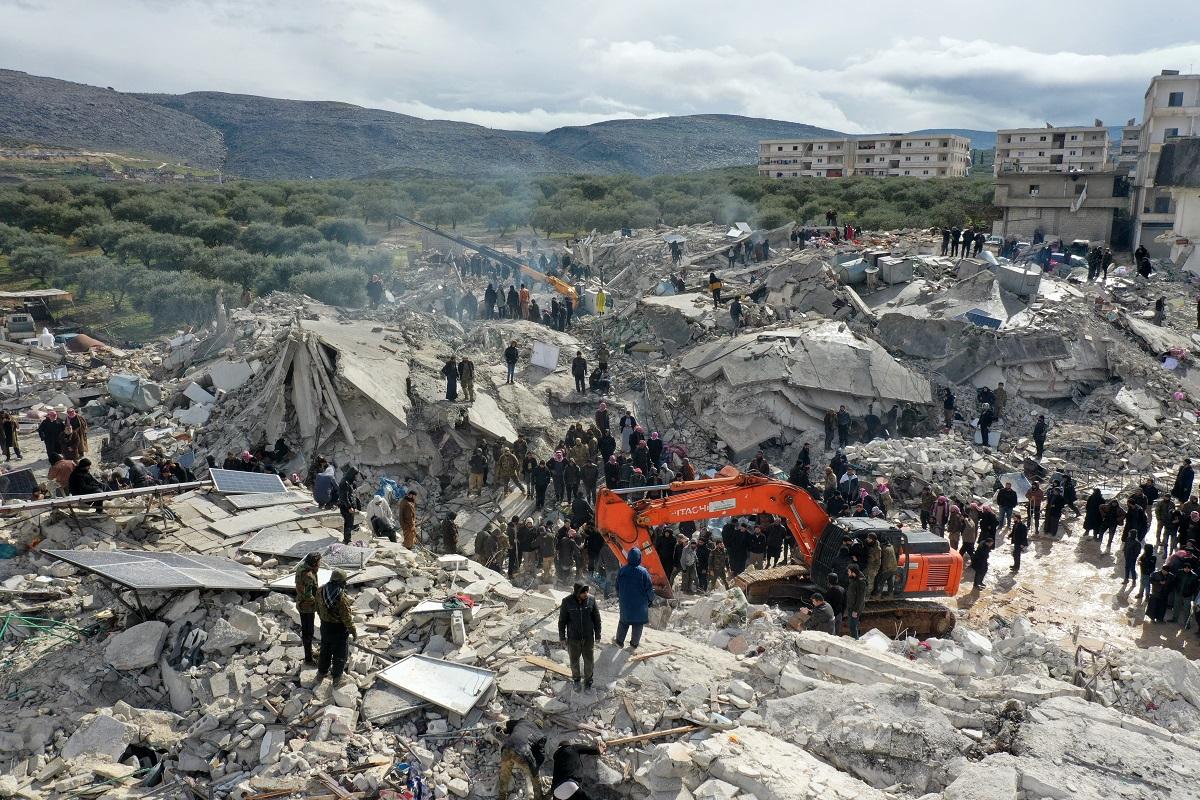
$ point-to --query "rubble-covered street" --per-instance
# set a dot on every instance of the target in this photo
(152, 647)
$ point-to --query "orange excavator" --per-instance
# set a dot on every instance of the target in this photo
(928, 565)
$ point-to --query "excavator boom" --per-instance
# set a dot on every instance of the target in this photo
(624, 525)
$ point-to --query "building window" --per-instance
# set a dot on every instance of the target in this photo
(925, 172)
(780, 148)
(1022, 138)
(1035, 189)
(1072, 152)
(795, 147)
(926, 158)
(1042, 139)
(1162, 205)
(778, 174)
(943, 143)
(908, 144)
(1175, 99)
(906, 172)
(1170, 133)
(1073, 137)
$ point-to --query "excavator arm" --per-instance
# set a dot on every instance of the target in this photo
(624, 525)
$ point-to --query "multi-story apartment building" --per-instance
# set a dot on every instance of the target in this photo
(1074, 148)
(1126, 154)
(891, 155)
(1172, 110)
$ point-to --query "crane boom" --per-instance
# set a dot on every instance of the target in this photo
(561, 286)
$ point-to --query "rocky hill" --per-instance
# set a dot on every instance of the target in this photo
(261, 137)
(53, 112)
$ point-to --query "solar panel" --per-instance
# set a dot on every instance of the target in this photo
(229, 481)
(17, 485)
(143, 570)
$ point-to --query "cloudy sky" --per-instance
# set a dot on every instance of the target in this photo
(534, 65)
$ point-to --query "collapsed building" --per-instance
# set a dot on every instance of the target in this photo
(153, 650)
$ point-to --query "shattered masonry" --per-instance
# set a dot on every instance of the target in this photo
(1001, 710)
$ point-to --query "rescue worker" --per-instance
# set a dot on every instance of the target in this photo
(337, 623)
(566, 782)
(524, 749)
(306, 601)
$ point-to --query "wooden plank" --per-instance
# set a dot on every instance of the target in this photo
(646, 737)
(547, 664)
(333, 785)
(633, 718)
(652, 654)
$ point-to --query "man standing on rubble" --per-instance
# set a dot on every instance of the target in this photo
(408, 519)
(337, 624)
(830, 428)
(714, 286)
(50, 431)
(1039, 435)
(635, 591)
(999, 399)
(348, 502)
(986, 418)
(466, 374)
(843, 426)
(1006, 501)
(511, 354)
(954, 239)
(579, 628)
(579, 372)
(306, 601)
(10, 436)
(945, 240)
(856, 597)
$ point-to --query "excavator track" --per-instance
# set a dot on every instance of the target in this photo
(790, 586)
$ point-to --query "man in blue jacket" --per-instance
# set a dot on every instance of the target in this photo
(634, 593)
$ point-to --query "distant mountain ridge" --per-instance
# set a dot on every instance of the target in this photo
(262, 137)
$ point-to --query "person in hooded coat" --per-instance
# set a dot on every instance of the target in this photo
(325, 487)
(1093, 514)
(635, 591)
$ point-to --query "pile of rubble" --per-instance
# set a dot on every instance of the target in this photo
(116, 688)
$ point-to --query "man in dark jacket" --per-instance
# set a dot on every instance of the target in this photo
(511, 354)
(835, 595)
(82, 481)
(567, 782)
(821, 616)
(831, 420)
(856, 597)
(1039, 435)
(579, 372)
(50, 431)
(348, 502)
(979, 561)
(1006, 500)
(843, 426)
(579, 627)
(1019, 537)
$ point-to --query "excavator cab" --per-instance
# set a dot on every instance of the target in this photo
(929, 567)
